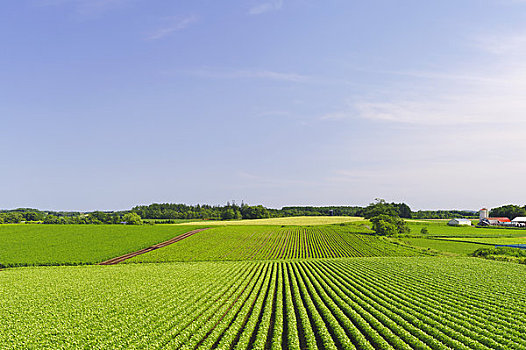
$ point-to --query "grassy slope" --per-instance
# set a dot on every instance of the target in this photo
(444, 246)
(275, 242)
(297, 220)
(440, 236)
(438, 300)
(76, 244)
(494, 240)
(441, 229)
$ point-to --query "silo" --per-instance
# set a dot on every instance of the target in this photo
(483, 214)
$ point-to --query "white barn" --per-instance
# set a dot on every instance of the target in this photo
(459, 222)
(519, 221)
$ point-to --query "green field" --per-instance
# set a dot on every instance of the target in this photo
(275, 242)
(493, 240)
(360, 303)
(257, 287)
(441, 229)
(295, 221)
(22, 245)
(443, 246)
(442, 238)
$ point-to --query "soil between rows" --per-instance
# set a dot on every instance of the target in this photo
(121, 258)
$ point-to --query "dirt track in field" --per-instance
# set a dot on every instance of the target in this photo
(121, 258)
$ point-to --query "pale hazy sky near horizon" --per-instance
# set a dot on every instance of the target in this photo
(106, 104)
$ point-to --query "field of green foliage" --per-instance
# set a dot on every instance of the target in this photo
(357, 303)
(23, 244)
(441, 229)
(293, 220)
(463, 241)
(275, 242)
(443, 245)
(494, 240)
(258, 287)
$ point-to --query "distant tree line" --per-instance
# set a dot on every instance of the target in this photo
(244, 211)
(19, 215)
(204, 212)
(444, 214)
(322, 211)
(379, 207)
(509, 211)
(164, 212)
(52, 217)
(168, 211)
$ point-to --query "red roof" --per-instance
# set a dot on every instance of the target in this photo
(500, 219)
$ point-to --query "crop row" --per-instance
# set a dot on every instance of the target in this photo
(371, 303)
(266, 243)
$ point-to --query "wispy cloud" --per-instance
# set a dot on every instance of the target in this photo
(510, 44)
(444, 76)
(173, 24)
(439, 180)
(451, 103)
(476, 95)
(250, 74)
(265, 7)
(437, 132)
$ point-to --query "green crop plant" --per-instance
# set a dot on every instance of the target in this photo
(274, 242)
(345, 303)
(32, 244)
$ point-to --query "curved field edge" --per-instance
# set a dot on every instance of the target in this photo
(364, 303)
(491, 241)
(440, 246)
(275, 242)
(27, 245)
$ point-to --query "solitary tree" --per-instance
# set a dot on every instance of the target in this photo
(386, 225)
(379, 207)
(132, 219)
(384, 228)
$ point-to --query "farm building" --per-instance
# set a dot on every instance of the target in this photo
(519, 221)
(483, 214)
(486, 220)
(459, 222)
(495, 222)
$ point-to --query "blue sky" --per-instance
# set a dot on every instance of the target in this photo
(106, 104)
